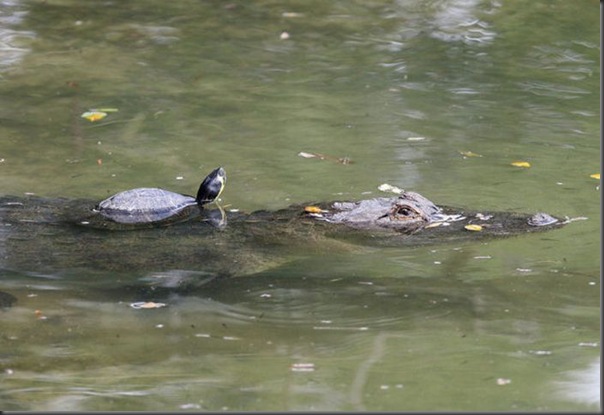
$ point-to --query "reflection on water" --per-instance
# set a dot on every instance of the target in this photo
(582, 385)
(13, 42)
(403, 89)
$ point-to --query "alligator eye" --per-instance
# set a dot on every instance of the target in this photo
(403, 212)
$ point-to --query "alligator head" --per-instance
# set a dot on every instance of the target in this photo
(406, 213)
(409, 211)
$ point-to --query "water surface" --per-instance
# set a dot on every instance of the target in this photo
(400, 88)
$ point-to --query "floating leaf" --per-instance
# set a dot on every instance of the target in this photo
(595, 176)
(313, 209)
(469, 154)
(473, 228)
(524, 164)
(39, 315)
(93, 116)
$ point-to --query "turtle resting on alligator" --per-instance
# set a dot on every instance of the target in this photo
(61, 236)
(155, 206)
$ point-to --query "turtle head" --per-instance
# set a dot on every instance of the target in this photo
(211, 187)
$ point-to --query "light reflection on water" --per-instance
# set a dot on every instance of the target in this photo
(582, 385)
(399, 87)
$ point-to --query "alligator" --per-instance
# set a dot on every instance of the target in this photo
(62, 237)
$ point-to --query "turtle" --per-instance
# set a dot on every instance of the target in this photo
(154, 205)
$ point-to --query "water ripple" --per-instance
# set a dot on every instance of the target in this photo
(553, 90)
(11, 40)
(341, 306)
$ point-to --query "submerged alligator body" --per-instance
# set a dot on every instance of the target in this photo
(61, 236)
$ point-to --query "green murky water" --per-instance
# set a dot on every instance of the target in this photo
(398, 87)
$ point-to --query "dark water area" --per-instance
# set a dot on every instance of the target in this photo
(437, 97)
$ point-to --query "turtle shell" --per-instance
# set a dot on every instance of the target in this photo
(145, 205)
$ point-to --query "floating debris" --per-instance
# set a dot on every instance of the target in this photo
(390, 188)
(473, 228)
(292, 14)
(302, 367)
(313, 209)
(595, 176)
(39, 315)
(341, 160)
(503, 381)
(467, 154)
(588, 344)
(540, 352)
(146, 304)
(190, 406)
(95, 114)
(230, 338)
(523, 164)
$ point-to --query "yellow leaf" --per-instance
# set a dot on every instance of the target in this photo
(474, 228)
(524, 164)
(93, 116)
(595, 176)
(312, 209)
(469, 154)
